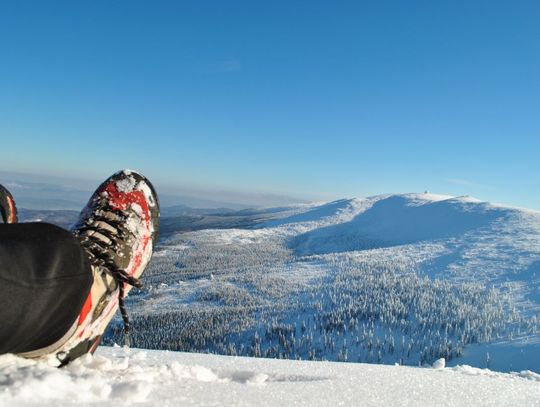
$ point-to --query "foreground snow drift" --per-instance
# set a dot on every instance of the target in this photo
(168, 378)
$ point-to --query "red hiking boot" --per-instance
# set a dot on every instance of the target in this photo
(118, 229)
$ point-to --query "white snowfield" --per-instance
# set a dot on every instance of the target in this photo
(482, 259)
(159, 378)
(396, 278)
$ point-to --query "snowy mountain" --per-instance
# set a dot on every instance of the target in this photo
(413, 279)
(113, 378)
(403, 279)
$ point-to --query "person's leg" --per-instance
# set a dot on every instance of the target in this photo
(45, 278)
(59, 290)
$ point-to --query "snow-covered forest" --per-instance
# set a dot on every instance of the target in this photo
(403, 279)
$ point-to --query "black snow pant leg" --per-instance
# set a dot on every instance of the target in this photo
(45, 279)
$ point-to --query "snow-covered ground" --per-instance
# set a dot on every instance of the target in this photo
(403, 279)
(161, 378)
(389, 279)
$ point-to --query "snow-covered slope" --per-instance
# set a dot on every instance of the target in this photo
(388, 279)
(152, 378)
(398, 220)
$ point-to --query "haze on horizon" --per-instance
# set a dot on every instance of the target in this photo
(284, 100)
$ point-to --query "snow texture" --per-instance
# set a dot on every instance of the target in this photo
(159, 378)
(405, 279)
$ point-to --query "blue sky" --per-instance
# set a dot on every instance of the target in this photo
(316, 99)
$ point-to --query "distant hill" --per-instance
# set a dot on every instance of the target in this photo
(41, 191)
(405, 279)
(177, 218)
(62, 218)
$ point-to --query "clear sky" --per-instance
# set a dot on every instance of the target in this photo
(322, 99)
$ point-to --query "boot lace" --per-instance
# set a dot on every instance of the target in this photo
(102, 245)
